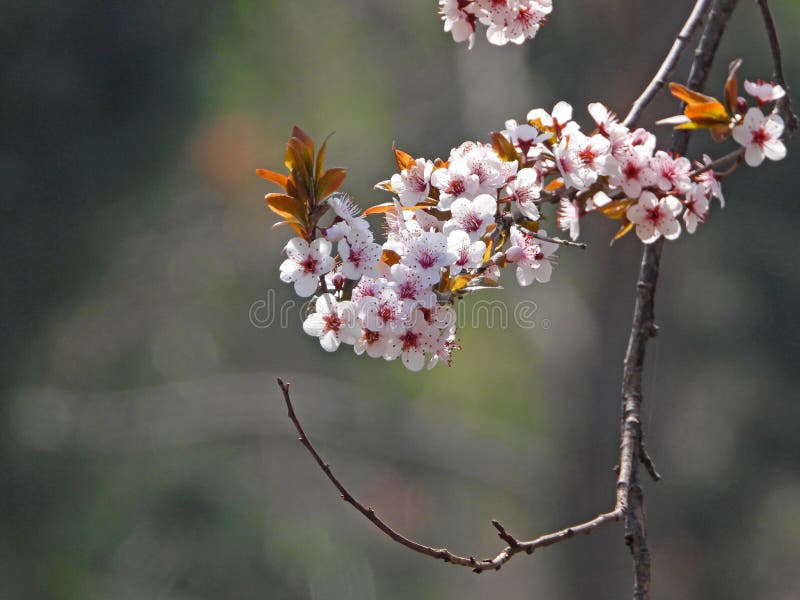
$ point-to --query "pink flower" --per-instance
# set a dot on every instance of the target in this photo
(761, 136)
(411, 343)
(469, 254)
(428, 255)
(634, 171)
(359, 255)
(525, 190)
(654, 218)
(764, 91)
(696, 204)
(472, 216)
(305, 264)
(455, 181)
(333, 322)
(532, 256)
(412, 184)
(568, 217)
(459, 20)
(710, 180)
(671, 173)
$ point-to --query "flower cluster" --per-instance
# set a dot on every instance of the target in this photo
(453, 225)
(505, 20)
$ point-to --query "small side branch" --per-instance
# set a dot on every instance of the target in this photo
(514, 546)
(664, 72)
(785, 103)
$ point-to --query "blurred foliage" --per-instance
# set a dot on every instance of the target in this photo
(144, 452)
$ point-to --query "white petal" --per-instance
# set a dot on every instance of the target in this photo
(775, 150)
(669, 228)
(305, 285)
(647, 232)
(753, 156)
(297, 248)
(314, 324)
(414, 359)
(329, 341)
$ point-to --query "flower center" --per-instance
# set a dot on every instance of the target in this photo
(332, 322)
(760, 137)
(309, 265)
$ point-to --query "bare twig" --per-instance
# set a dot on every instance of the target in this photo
(785, 103)
(734, 156)
(665, 70)
(477, 565)
(560, 241)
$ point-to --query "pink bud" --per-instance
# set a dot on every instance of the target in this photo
(338, 282)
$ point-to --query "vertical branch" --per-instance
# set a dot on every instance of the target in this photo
(644, 327)
(785, 103)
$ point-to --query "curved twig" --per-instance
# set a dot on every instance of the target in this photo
(665, 70)
(514, 546)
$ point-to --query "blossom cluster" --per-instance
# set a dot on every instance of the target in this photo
(453, 225)
(505, 20)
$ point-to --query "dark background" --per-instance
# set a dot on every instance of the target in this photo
(144, 451)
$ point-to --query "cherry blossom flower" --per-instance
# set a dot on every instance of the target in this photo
(696, 203)
(359, 254)
(710, 180)
(459, 20)
(671, 173)
(581, 159)
(525, 137)
(525, 189)
(568, 217)
(532, 256)
(443, 347)
(455, 181)
(764, 91)
(560, 119)
(413, 341)
(634, 171)
(412, 184)
(428, 255)
(760, 136)
(333, 322)
(605, 119)
(381, 311)
(492, 172)
(654, 218)
(412, 289)
(374, 343)
(469, 254)
(305, 264)
(472, 216)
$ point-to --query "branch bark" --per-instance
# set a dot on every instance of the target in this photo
(785, 103)
(644, 327)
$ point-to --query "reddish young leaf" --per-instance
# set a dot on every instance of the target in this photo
(387, 206)
(298, 228)
(732, 86)
(304, 138)
(504, 148)
(554, 185)
(390, 257)
(287, 207)
(626, 227)
(404, 160)
(272, 176)
(320, 165)
(330, 182)
(616, 209)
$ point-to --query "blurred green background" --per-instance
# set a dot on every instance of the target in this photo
(144, 450)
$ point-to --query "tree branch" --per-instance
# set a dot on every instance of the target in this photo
(514, 546)
(660, 78)
(785, 103)
(644, 327)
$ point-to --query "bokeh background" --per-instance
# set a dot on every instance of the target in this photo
(144, 450)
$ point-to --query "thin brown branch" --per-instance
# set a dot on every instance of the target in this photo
(644, 327)
(560, 242)
(785, 103)
(668, 66)
(513, 547)
(734, 156)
